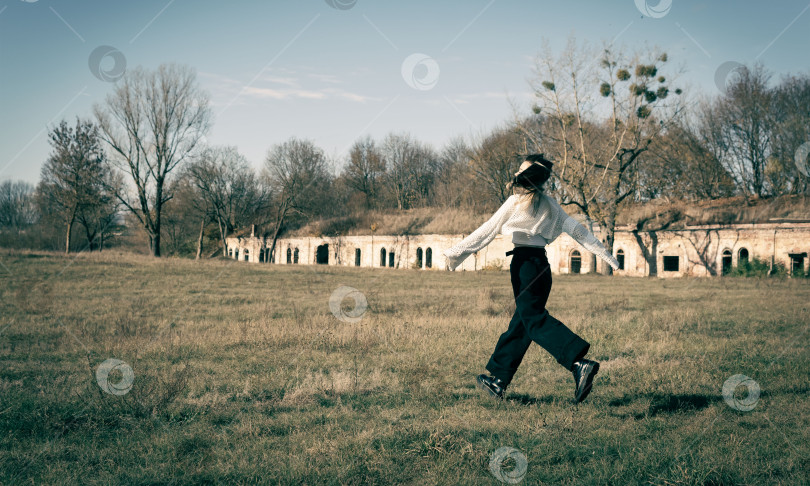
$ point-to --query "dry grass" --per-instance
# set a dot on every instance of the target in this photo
(243, 375)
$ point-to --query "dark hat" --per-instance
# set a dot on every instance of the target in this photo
(536, 174)
(540, 159)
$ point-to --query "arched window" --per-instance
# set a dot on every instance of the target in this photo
(247, 255)
(726, 262)
(236, 254)
(357, 257)
(742, 256)
(230, 252)
(576, 262)
(295, 256)
(261, 255)
(382, 257)
(419, 257)
(289, 255)
(429, 258)
(620, 258)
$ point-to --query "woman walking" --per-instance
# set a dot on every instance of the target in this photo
(534, 220)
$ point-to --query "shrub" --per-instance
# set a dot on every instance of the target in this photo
(496, 264)
(754, 267)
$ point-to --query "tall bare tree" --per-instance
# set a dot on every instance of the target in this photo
(454, 182)
(232, 194)
(365, 170)
(153, 122)
(410, 169)
(296, 171)
(601, 110)
(792, 130)
(741, 128)
(682, 166)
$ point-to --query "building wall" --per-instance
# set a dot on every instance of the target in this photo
(697, 251)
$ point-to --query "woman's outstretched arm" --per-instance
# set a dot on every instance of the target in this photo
(588, 240)
(481, 237)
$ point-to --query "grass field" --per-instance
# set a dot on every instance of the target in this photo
(241, 374)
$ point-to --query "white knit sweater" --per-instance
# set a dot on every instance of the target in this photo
(515, 217)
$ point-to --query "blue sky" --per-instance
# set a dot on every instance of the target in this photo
(277, 68)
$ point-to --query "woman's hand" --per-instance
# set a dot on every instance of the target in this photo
(451, 261)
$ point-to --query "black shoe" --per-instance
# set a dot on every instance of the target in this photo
(494, 386)
(584, 371)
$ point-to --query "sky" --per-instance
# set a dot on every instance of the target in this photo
(332, 71)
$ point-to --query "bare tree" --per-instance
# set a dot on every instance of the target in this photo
(153, 122)
(365, 170)
(496, 158)
(17, 209)
(792, 130)
(410, 170)
(681, 165)
(229, 190)
(741, 126)
(296, 172)
(454, 182)
(75, 182)
(599, 112)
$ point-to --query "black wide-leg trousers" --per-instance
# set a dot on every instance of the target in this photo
(531, 284)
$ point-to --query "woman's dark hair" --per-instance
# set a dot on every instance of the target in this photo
(533, 178)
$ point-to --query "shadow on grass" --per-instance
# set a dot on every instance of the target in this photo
(661, 404)
(524, 399)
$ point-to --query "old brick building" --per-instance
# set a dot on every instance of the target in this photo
(700, 250)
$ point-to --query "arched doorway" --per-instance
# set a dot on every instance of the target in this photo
(322, 254)
(357, 257)
(391, 259)
(382, 257)
(620, 258)
(295, 256)
(726, 262)
(429, 258)
(289, 255)
(419, 258)
(576, 262)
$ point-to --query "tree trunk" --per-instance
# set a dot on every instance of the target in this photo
(67, 237)
(610, 238)
(200, 239)
(156, 231)
(223, 235)
(156, 245)
(282, 212)
(591, 256)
